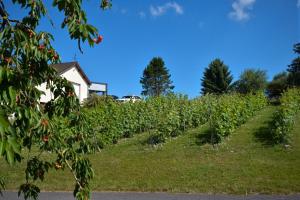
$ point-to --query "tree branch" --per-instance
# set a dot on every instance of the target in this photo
(79, 46)
(71, 169)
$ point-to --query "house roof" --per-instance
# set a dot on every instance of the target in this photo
(63, 67)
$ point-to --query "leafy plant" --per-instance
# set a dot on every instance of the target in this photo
(283, 119)
(171, 115)
(230, 111)
(293, 78)
(94, 100)
(26, 56)
(251, 80)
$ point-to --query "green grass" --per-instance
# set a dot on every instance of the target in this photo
(240, 164)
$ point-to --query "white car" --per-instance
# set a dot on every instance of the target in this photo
(131, 98)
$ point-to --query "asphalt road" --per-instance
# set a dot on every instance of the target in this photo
(150, 196)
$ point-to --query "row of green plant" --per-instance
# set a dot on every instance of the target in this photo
(180, 114)
(231, 111)
(284, 118)
(111, 120)
(169, 116)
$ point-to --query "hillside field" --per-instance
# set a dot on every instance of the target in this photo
(241, 164)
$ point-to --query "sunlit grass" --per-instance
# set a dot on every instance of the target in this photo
(240, 164)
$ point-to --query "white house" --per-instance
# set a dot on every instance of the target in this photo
(74, 73)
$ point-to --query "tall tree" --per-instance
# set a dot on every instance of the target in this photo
(251, 80)
(294, 68)
(156, 78)
(26, 54)
(216, 78)
(278, 85)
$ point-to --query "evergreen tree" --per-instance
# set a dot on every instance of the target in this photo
(217, 78)
(156, 78)
(294, 68)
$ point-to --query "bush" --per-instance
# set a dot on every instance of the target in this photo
(169, 116)
(283, 119)
(230, 111)
(178, 115)
(94, 100)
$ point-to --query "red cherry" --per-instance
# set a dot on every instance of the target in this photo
(30, 32)
(46, 138)
(41, 47)
(17, 99)
(70, 94)
(45, 122)
(8, 60)
(98, 39)
(55, 57)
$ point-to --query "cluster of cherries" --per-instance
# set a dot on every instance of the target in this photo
(98, 39)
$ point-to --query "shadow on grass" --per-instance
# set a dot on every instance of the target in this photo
(207, 137)
(263, 134)
(159, 138)
(155, 139)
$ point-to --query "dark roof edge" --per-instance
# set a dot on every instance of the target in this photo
(98, 83)
(76, 64)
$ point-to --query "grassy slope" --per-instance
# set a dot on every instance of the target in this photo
(241, 164)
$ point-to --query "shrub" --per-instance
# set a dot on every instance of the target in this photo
(94, 100)
(283, 119)
(171, 115)
(230, 111)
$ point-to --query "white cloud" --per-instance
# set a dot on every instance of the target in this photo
(162, 9)
(142, 14)
(298, 3)
(241, 9)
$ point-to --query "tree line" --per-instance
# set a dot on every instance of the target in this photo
(217, 79)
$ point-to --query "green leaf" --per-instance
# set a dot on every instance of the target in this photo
(1, 74)
(9, 155)
(14, 144)
(3, 121)
(12, 95)
(2, 146)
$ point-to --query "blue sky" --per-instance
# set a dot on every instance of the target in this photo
(187, 34)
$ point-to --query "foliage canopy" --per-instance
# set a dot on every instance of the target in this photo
(25, 58)
(294, 68)
(156, 78)
(278, 85)
(251, 80)
(216, 78)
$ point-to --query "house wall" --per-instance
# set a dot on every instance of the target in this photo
(74, 77)
(48, 95)
(98, 87)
